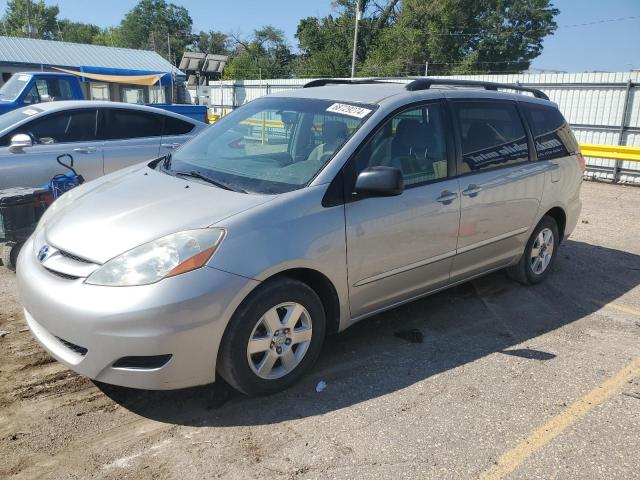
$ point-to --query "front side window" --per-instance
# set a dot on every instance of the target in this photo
(551, 134)
(413, 141)
(53, 89)
(67, 127)
(32, 96)
(492, 135)
(271, 145)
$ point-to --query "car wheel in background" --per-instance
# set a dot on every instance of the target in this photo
(539, 254)
(9, 254)
(273, 338)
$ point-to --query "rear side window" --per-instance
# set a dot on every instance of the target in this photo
(551, 134)
(492, 135)
(174, 126)
(125, 124)
(65, 127)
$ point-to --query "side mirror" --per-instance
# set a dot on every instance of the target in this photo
(19, 142)
(380, 182)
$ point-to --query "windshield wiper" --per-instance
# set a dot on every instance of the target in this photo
(200, 176)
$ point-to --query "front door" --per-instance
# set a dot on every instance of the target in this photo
(71, 132)
(500, 186)
(400, 247)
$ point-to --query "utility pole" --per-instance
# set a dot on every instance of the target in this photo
(29, 17)
(169, 46)
(426, 69)
(355, 40)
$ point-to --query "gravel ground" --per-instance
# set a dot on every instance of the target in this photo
(498, 361)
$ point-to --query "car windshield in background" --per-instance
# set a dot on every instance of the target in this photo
(11, 118)
(10, 90)
(271, 145)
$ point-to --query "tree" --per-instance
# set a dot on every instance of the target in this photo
(265, 55)
(43, 19)
(462, 36)
(151, 23)
(212, 42)
(513, 31)
(77, 32)
(326, 43)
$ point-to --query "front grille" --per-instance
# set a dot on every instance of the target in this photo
(62, 275)
(73, 257)
(142, 363)
(72, 346)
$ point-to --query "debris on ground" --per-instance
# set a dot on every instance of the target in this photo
(321, 386)
(586, 222)
(412, 336)
(4, 333)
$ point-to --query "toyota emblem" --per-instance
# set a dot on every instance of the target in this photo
(43, 253)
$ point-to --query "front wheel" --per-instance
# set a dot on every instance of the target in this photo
(10, 251)
(539, 254)
(274, 337)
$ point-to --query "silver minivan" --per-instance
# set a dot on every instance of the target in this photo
(294, 217)
(101, 136)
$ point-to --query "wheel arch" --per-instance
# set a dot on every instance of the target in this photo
(320, 284)
(560, 216)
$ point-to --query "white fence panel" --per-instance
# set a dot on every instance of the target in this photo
(602, 107)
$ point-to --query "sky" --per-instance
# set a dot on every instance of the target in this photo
(608, 46)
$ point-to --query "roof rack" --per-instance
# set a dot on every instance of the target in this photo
(321, 82)
(426, 83)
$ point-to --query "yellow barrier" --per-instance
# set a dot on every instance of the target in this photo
(614, 152)
(256, 122)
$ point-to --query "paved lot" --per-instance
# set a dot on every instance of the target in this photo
(510, 382)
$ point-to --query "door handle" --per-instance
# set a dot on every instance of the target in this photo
(446, 197)
(472, 190)
(85, 150)
(170, 145)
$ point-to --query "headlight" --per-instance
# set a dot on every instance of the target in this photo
(166, 257)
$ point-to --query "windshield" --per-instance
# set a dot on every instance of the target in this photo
(11, 118)
(271, 145)
(10, 90)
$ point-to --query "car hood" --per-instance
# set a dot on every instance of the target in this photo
(107, 217)
(6, 106)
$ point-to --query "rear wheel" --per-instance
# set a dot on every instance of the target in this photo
(274, 337)
(539, 253)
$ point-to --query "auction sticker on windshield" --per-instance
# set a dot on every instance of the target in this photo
(350, 110)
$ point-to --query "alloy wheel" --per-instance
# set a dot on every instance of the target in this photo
(279, 340)
(542, 251)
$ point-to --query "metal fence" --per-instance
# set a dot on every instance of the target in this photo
(602, 108)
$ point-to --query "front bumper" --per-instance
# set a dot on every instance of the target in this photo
(183, 316)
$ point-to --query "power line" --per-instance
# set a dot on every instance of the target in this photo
(523, 30)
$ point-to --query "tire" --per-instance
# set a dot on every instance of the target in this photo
(10, 251)
(261, 321)
(529, 271)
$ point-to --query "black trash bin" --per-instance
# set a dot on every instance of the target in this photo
(20, 211)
